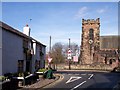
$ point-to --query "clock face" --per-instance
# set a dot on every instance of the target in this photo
(90, 41)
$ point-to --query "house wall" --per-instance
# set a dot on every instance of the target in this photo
(44, 56)
(37, 56)
(37, 52)
(34, 57)
(41, 58)
(0, 51)
(12, 51)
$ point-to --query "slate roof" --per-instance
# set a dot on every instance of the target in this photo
(17, 32)
(109, 42)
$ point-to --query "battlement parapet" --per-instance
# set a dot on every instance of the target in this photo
(91, 21)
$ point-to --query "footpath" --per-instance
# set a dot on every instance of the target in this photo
(42, 83)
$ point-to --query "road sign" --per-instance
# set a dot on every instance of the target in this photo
(49, 59)
(69, 51)
(69, 57)
(75, 58)
(69, 54)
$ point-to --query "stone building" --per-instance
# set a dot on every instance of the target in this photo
(96, 49)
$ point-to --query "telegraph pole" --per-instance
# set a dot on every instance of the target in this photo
(49, 61)
(50, 45)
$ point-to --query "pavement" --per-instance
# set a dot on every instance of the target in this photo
(43, 82)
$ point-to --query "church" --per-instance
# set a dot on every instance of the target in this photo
(96, 49)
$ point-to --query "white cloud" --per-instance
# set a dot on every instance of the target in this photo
(101, 10)
(81, 12)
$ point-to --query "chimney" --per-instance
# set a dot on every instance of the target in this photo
(26, 30)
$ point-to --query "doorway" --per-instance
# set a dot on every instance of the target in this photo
(28, 64)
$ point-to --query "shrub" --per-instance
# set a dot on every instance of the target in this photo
(2, 78)
(20, 74)
(41, 70)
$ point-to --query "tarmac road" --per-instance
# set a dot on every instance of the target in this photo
(85, 80)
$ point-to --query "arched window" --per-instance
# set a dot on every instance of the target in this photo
(91, 34)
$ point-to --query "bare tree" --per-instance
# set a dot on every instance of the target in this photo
(56, 54)
(59, 52)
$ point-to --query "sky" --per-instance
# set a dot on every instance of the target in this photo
(60, 20)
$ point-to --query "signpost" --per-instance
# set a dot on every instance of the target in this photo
(69, 54)
(75, 58)
(49, 61)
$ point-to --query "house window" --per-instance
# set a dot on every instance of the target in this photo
(25, 43)
(20, 65)
(37, 64)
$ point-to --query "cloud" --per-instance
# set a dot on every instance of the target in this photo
(102, 10)
(81, 12)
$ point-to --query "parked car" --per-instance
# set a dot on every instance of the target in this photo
(116, 69)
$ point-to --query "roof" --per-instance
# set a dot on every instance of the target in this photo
(109, 42)
(15, 31)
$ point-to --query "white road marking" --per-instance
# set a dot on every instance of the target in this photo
(90, 76)
(78, 85)
(73, 79)
(83, 74)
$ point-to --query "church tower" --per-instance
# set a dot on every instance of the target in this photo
(90, 42)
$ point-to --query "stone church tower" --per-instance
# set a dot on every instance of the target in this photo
(90, 42)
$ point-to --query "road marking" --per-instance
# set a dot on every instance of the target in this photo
(73, 79)
(77, 74)
(78, 85)
(90, 76)
(83, 74)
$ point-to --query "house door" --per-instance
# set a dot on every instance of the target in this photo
(28, 66)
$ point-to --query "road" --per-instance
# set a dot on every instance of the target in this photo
(86, 80)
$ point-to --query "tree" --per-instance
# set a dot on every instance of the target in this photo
(59, 52)
(56, 54)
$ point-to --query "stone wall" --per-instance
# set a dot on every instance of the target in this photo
(102, 67)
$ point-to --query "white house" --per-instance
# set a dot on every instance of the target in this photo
(19, 51)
